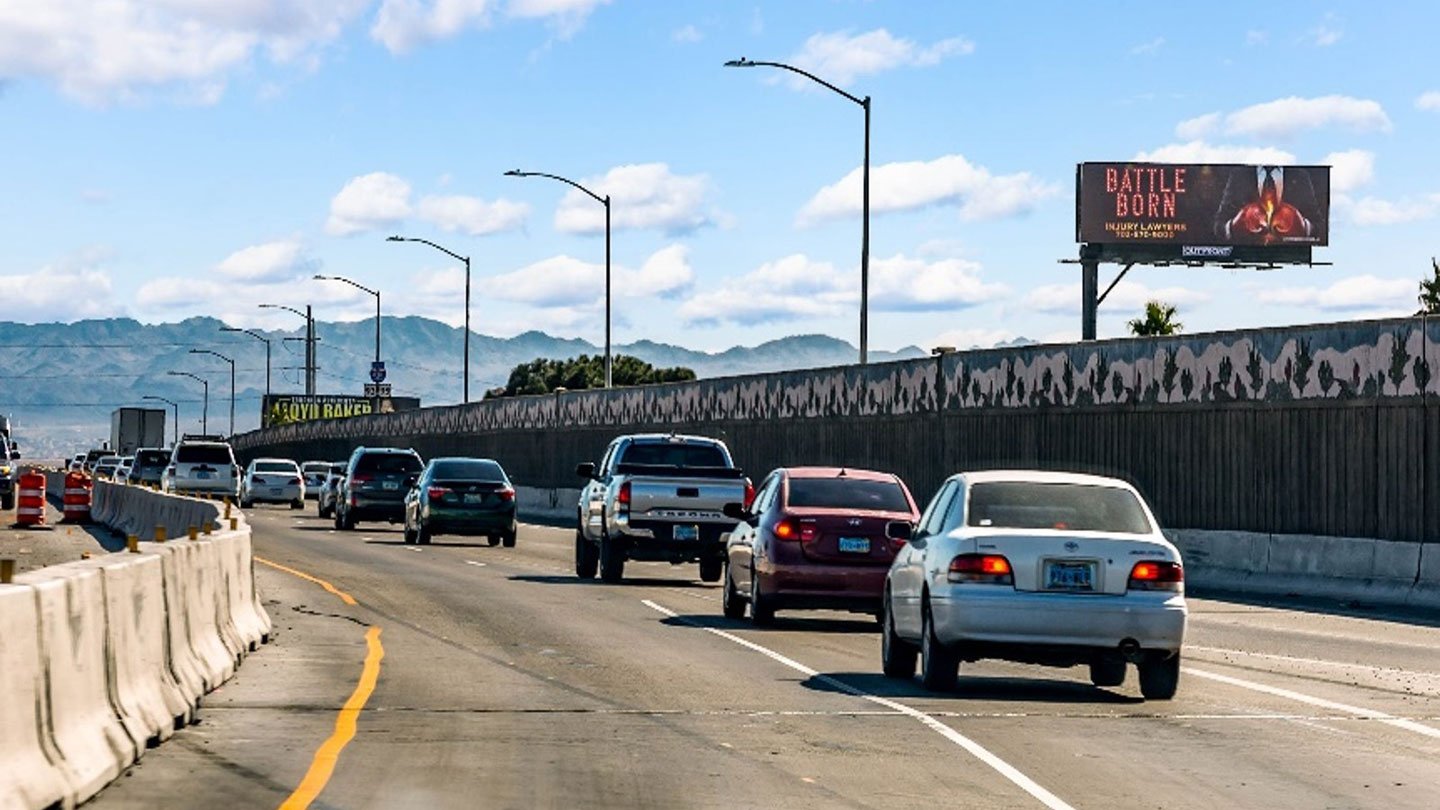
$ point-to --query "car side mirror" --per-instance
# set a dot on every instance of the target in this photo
(899, 530)
(586, 470)
(736, 511)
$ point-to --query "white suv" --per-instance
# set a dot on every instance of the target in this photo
(202, 464)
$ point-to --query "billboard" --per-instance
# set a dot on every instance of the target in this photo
(1202, 210)
(283, 409)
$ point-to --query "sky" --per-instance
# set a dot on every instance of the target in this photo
(167, 158)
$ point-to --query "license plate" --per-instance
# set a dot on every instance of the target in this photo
(201, 474)
(275, 490)
(685, 533)
(1070, 576)
(474, 498)
(390, 485)
(854, 545)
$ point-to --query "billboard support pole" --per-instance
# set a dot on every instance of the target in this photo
(1089, 296)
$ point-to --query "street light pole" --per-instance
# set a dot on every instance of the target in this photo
(204, 408)
(362, 288)
(257, 336)
(466, 260)
(605, 201)
(865, 195)
(309, 343)
(232, 383)
(174, 405)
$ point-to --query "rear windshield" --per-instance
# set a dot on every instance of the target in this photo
(274, 466)
(388, 463)
(152, 458)
(674, 454)
(847, 493)
(315, 467)
(1076, 507)
(338, 469)
(469, 470)
(203, 454)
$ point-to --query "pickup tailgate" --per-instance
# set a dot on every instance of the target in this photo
(680, 498)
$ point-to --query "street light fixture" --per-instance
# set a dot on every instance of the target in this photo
(204, 409)
(173, 404)
(261, 337)
(605, 201)
(309, 343)
(232, 382)
(865, 199)
(466, 260)
(357, 285)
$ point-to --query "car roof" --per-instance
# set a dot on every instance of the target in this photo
(274, 461)
(835, 472)
(406, 450)
(655, 438)
(1042, 477)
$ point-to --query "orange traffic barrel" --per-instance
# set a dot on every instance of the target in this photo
(76, 500)
(31, 503)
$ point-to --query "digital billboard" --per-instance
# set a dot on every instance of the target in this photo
(283, 409)
(1203, 209)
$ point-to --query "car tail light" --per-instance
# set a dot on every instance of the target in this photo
(749, 493)
(438, 493)
(787, 529)
(1156, 575)
(506, 494)
(361, 478)
(622, 498)
(985, 568)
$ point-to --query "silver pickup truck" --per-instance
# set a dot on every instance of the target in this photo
(657, 497)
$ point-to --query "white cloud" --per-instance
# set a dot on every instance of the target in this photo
(974, 338)
(1199, 151)
(1429, 100)
(1057, 299)
(797, 286)
(368, 202)
(75, 288)
(1350, 169)
(645, 195)
(908, 185)
(401, 25)
(687, 34)
(272, 261)
(840, 58)
(1323, 35)
(1198, 127)
(1369, 211)
(1149, 48)
(472, 215)
(566, 17)
(1354, 294)
(666, 274)
(1285, 117)
(104, 52)
(564, 281)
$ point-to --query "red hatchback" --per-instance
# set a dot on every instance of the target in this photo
(814, 538)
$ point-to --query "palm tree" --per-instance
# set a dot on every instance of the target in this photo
(1430, 292)
(1159, 320)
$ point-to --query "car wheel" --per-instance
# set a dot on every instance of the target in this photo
(422, 534)
(1108, 671)
(612, 559)
(762, 612)
(587, 557)
(409, 534)
(246, 503)
(508, 539)
(711, 568)
(297, 504)
(730, 599)
(7, 502)
(897, 656)
(1160, 677)
(346, 521)
(492, 540)
(939, 668)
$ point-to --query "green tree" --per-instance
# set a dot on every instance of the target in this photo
(1430, 292)
(543, 375)
(1159, 320)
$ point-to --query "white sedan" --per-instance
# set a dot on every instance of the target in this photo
(1057, 569)
(272, 480)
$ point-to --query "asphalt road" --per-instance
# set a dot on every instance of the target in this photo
(505, 682)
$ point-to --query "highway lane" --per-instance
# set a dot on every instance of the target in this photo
(508, 683)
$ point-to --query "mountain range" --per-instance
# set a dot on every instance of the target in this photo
(61, 381)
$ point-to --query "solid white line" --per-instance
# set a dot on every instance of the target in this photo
(1315, 661)
(976, 750)
(1368, 714)
(472, 562)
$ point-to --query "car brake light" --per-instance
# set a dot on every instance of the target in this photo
(360, 478)
(992, 569)
(1156, 575)
(622, 498)
(749, 493)
(437, 493)
(506, 494)
(786, 530)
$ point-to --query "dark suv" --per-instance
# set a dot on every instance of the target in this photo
(375, 483)
(149, 466)
(9, 474)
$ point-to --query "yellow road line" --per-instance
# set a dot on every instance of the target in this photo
(323, 763)
(344, 597)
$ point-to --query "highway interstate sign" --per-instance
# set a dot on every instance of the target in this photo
(379, 390)
(377, 371)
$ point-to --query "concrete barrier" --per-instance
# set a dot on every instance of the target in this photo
(31, 774)
(148, 696)
(548, 504)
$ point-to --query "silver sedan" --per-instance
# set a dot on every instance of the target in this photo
(1057, 569)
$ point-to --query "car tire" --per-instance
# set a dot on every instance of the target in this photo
(7, 502)
(612, 559)
(297, 504)
(422, 534)
(762, 610)
(492, 540)
(1108, 671)
(731, 602)
(246, 503)
(1160, 676)
(711, 568)
(939, 667)
(345, 521)
(897, 656)
(408, 535)
(508, 539)
(587, 557)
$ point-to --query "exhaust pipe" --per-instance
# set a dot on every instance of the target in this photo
(1130, 649)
